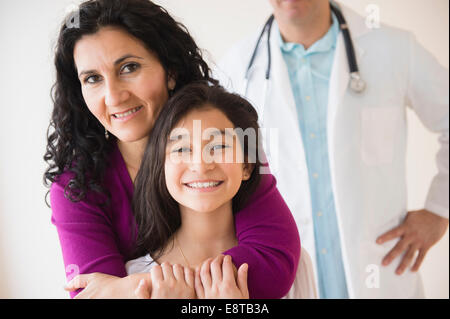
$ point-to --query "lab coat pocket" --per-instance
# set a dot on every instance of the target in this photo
(378, 129)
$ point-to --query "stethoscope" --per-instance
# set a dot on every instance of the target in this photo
(357, 84)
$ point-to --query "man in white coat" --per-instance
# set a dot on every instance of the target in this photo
(339, 156)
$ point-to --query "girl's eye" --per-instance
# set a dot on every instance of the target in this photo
(219, 147)
(181, 150)
(130, 67)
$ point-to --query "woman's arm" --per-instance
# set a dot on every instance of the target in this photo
(102, 286)
(269, 242)
(87, 238)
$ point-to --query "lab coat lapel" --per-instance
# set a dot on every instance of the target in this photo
(340, 74)
(281, 82)
(339, 81)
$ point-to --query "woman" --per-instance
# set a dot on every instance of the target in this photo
(114, 73)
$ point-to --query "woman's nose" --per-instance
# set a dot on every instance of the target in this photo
(115, 93)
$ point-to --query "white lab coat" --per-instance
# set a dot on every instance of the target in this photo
(367, 143)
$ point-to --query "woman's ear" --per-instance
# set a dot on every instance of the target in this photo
(247, 171)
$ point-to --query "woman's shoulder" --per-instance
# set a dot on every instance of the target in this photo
(116, 182)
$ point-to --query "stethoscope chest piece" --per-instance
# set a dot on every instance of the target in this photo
(357, 84)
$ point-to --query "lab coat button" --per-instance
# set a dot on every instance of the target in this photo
(305, 221)
(324, 251)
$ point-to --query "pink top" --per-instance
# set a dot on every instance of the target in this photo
(96, 239)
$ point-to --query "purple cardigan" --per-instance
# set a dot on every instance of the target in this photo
(97, 239)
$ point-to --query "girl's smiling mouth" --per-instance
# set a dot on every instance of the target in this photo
(204, 186)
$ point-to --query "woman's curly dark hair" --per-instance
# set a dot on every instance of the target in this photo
(75, 138)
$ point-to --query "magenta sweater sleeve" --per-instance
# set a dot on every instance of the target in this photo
(269, 242)
(88, 240)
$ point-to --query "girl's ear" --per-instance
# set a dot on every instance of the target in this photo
(171, 83)
(247, 171)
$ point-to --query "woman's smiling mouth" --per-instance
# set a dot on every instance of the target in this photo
(124, 116)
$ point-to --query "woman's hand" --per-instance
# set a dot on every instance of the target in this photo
(215, 279)
(172, 282)
(102, 286)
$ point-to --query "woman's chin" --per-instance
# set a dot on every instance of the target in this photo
(131, 137)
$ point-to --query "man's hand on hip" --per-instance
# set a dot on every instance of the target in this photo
(419, 232)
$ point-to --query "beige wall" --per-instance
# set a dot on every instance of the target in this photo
(30, 258)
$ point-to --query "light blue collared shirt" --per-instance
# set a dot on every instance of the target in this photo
(309, 73)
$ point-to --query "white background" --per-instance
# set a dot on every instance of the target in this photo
(31, 264)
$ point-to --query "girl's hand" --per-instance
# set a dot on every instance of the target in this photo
(215, 279)
(99, 286)
(172, 282)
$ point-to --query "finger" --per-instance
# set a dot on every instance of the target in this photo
(216, 269)
(142, 291)
(189, 277)
(394, 252)
(78, 282)
(406, 260)
(156, 274)
(227, 269)
(393, 233)
(178, 272)
(205, 274)
(167, 271)
(199, 289)
(419, 260)
(242, 280)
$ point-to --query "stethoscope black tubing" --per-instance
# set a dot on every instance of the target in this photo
(351, 57)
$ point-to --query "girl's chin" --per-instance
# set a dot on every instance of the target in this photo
(202, 209)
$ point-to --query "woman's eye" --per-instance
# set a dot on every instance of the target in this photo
(91, 79)
(130, 67)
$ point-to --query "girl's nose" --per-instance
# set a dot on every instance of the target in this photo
(201, 164)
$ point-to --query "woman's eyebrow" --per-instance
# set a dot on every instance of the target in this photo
(118, 61)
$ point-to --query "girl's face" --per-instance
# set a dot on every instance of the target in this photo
(123, 84)
(204, 164)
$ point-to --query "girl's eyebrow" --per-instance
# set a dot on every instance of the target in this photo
(118, 61)
(176, 137)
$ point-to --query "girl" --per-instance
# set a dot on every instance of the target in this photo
(204, 170)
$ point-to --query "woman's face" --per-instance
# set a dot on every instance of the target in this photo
(204, 165)
(123, 84)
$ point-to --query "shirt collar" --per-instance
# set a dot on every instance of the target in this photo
(324, 44)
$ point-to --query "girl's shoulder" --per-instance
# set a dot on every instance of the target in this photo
(140, 265)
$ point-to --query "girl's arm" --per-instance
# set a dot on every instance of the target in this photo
(269, 242)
